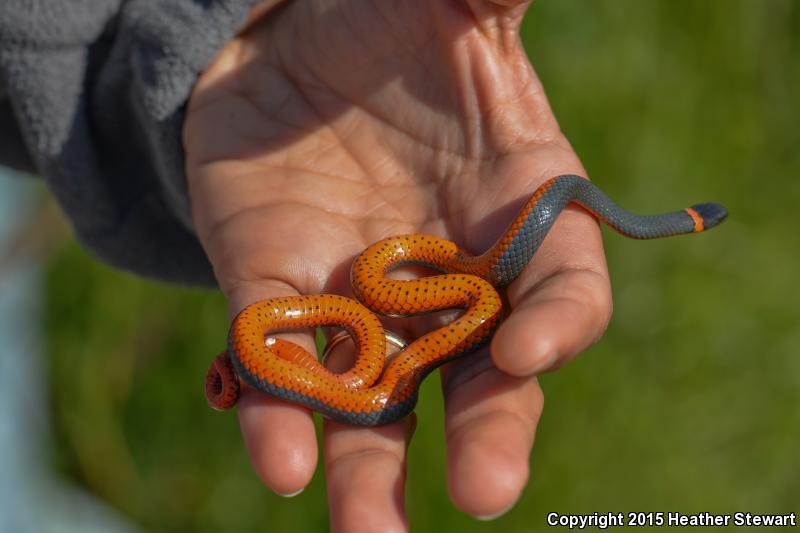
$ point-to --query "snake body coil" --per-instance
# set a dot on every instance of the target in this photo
(369, 394)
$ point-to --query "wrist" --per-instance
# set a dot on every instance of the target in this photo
(235, 52)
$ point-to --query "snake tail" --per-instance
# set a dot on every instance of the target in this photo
(516, 247)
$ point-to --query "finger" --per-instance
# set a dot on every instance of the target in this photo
(280, 436)
(365, 466)
(561, 303)
(366, 470)
(490, 424)
(557, 320)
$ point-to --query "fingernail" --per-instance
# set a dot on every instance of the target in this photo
(291, 494)
(489, 517)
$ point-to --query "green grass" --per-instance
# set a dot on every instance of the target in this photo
(691, 401)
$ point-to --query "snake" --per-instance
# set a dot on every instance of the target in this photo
(378, 390)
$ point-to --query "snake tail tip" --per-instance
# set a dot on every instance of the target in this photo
(222, 383)
(712, 214)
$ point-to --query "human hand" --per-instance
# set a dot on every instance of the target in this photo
(326, 126)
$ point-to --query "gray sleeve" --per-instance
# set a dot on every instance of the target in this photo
(92, 96)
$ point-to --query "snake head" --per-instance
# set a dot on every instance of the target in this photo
(711, 213)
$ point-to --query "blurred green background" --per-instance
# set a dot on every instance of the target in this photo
(691, 401)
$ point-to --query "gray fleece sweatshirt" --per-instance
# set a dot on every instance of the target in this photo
(92, 97)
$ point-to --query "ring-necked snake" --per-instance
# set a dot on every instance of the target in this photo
(369, 394)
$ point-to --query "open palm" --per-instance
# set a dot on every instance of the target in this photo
(329, 124)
